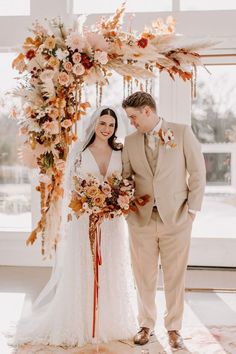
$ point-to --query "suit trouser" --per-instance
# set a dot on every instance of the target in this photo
(172, 244)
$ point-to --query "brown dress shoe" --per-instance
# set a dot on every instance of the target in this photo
(175, 340)
(143, 336)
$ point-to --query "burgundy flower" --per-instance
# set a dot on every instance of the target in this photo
(30, 54)
(142, 42)
(85, 61)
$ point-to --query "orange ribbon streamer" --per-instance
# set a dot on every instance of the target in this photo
(98, 262)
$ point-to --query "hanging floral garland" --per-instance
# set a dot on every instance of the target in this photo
(56, 64)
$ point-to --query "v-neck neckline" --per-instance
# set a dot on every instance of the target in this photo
(108, 166)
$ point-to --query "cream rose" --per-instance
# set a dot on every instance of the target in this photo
(78, 69)
(101, 57)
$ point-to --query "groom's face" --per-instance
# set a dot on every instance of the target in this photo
(139, 118)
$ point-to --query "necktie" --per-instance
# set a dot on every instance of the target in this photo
(152, 139)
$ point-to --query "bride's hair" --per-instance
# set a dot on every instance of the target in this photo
(112, 140)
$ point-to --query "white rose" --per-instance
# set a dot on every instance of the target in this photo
(61, 54)
(101, 57)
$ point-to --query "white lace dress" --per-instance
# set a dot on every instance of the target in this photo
(63, 312)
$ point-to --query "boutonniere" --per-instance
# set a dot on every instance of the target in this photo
(167, 138)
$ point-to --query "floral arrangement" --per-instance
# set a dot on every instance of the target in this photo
(167, 138)
(111, 198)
(55, 64)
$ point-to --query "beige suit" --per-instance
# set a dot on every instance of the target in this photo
(175, 180)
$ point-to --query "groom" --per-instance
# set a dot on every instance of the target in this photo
(166, 162)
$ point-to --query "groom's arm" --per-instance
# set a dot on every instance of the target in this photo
(127, 169)
(195, 166)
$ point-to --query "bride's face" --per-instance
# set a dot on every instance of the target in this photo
(105, 127)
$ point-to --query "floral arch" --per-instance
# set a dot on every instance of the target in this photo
(56, 64)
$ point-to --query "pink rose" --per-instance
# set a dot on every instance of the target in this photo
(106, 189)
(76, 57)
(64, 79)
(123, 202)
(51, 127)
(67, 66)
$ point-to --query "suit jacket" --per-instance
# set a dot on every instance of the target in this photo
(179, 179)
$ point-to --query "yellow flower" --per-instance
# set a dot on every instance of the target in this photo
(50, 43)
(53, 62)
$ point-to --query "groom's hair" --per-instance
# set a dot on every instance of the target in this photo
(139, 99)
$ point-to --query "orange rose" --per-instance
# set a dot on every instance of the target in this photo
(92, 191)
(50, 43)
(99, 200)
(53, 62)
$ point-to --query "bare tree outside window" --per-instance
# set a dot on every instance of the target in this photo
(15, 186)
(214, 124)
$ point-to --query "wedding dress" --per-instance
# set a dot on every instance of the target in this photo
(63, 312)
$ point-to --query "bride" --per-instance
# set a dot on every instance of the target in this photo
(63, 312)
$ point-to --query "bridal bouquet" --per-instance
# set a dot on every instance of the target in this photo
(111, 198)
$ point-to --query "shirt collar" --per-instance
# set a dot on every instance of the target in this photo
(157, 127)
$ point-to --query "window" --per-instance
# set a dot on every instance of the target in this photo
(113, 94)
(15, 187)
(107, 6)
(214, 124)
(218, 168)
(14, 7)
(203, 5)
(214, 110)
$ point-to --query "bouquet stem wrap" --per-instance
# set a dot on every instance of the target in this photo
(95, 238)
